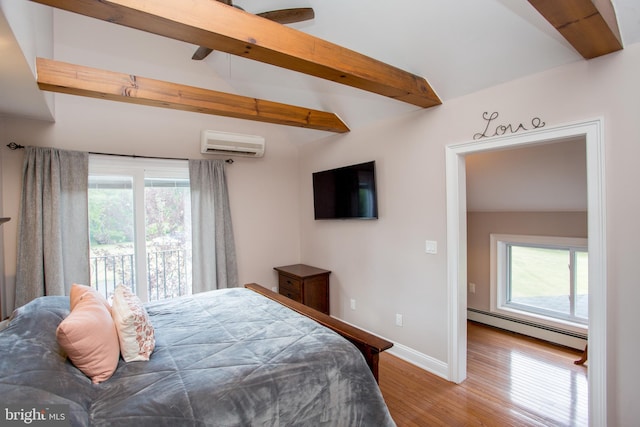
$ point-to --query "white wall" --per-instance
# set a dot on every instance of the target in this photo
(32, 25)
(31, 28)
(382, 264)
(546, 177)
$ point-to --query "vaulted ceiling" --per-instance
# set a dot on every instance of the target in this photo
(388, 56)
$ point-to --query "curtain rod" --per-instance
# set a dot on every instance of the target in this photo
(14, 146)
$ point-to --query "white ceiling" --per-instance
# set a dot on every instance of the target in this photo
(459, 47)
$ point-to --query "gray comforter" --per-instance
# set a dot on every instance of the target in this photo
(223, 358)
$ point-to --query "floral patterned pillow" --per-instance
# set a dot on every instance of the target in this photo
(135, 331)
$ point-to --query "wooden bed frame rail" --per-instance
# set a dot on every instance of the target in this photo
(369, 345)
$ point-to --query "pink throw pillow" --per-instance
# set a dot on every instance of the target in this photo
(88, 336)
(135, 332)
(77, 291)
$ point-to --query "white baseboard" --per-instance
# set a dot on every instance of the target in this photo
(429, 364)
(528, 330)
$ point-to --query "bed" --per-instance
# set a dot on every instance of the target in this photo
(232, 357)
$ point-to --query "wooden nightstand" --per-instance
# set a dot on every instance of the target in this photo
(305, 284)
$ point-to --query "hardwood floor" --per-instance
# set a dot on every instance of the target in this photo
(511, 381)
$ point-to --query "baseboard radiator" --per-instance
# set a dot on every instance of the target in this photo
(548, 333)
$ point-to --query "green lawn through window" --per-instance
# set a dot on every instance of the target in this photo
(541, 277)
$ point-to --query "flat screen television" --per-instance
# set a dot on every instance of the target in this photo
(348, 192)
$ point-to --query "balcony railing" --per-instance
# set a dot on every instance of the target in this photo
(168, 273)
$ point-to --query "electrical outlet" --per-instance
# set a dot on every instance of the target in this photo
(472, 287)
(431, 247)
(274, 289)
(398, 319)
(353, 304)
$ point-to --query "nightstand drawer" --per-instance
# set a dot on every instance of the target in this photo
(290, 288)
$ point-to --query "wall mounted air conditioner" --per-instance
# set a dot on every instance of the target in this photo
(231, 144)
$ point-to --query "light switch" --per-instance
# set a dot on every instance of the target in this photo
(398, 319)
(431, 247)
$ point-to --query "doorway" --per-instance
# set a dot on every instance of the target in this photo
(592, 133)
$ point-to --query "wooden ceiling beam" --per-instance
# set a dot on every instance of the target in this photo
(220, 27)
(74, 79)
(590, 26)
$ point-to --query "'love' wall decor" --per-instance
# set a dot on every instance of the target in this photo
(492, 129)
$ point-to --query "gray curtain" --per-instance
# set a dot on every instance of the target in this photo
(53, 235)
(214, 252)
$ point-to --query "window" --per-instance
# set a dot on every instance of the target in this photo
(140, 226)
(541, 279)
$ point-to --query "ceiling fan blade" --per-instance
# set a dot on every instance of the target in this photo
(201, 53)
(289, 16)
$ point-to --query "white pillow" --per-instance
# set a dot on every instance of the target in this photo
(135, 331)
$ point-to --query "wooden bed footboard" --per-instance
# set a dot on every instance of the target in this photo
(369, 345)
